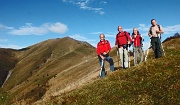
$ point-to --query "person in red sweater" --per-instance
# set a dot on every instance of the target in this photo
(103, 49)
(137, 40)
(122, 41)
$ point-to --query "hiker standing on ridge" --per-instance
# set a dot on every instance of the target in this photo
(154, 33)
(137, 43)
(122, 41)
(103, 49)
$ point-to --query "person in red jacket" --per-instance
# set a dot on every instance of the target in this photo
(122, 41)
(103, 49)
(137, 40)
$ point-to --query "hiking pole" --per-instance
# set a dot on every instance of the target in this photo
(142, 47)
(102, 63)
(128, 56)
(118, 56)
(161, 42)
(163, 48)
(148, 49)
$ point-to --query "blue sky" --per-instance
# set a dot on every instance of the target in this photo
(26, 22)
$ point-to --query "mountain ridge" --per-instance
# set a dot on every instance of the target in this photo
(38, 63)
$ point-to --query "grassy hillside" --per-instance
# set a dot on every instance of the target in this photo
(156, 81)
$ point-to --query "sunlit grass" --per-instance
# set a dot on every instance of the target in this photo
(156, 81)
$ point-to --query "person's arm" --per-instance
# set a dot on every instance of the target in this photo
(128, 36)
(108, 48)
(116, 42)
(133, 37)
(98, 52)
(149, 33)
(161, 30)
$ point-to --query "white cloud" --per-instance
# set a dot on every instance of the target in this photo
(58, 28)
(172, 29)
(143, 27)
(3, 27)
(84, 4)
(12, 46)
(28, 29)
(96, 33)
(146, 45)
(110, 35)
(103, 2)
(82, 38)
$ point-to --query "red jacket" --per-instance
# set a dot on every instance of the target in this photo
(137, 40)
(103, 46)
(122, 38)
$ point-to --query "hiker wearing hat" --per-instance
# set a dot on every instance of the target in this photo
(154, 33)
(122, 41)
(137, 43)
(103, 49)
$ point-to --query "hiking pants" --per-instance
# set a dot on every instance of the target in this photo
(138, 50)
(123, 57)
(156, 46)
(109, 60)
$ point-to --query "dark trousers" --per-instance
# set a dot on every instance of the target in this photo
(156, 46)
(109, 60)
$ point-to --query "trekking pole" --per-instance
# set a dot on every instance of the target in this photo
(148, 50)
(142, 47)
(163, 49)
(162, 44)
(128, 56)
(118, 56)
(102, 63)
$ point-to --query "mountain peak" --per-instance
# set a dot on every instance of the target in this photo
(176, 35)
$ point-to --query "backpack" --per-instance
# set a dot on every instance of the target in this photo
(106, 42)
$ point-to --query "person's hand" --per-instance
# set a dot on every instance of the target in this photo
(102, 57)
(104, 53)
(157, 31)
(150, 35)
(142, 38)
(116, 46)
(133, 40)
(128, 42)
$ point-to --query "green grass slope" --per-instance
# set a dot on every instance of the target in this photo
(154, 82)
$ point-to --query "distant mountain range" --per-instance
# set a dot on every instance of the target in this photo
(176, 35)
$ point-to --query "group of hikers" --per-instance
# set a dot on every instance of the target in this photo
(122, 43)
